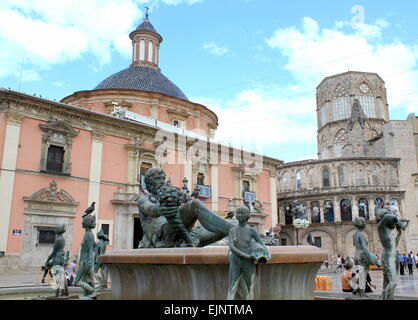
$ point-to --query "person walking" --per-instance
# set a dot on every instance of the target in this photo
(71, 272)
(416, 260)
(339, 266)
(401, 265)
(410, 263)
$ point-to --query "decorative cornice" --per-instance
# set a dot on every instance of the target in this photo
(97, 135)
(44, 110)
(15, 119)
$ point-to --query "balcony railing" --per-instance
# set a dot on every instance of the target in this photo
(393, 185)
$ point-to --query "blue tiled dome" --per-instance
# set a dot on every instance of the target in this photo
(142, 79)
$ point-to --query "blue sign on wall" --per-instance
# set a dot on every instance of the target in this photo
(249, 196)
(204, 191)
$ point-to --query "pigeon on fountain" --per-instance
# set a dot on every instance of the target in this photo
(89, 210)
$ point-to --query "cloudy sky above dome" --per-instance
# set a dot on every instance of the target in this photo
(256, 63)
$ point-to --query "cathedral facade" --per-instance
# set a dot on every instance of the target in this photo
(365, 160)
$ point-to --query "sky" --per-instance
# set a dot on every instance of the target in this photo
(255, 63)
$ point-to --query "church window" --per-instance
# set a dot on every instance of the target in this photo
(346, 213)
(288, 214)
(325, 178)
(55, 159)
(56, 147)
(341, 108)
(298, 181)
(316, 212)
(200, 179)
(363, 208)
(150, 51)
(329, 211)
(142, 50)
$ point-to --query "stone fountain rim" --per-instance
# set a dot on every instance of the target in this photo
(209, 255)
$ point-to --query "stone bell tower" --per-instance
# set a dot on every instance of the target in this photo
(351, 109)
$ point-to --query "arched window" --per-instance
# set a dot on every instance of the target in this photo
(142, 50)
(298, 180)
(150, 51)
(316, 212)
(329, 211)
(325, 178)
(304, 208)
(366, 99)
(363, 208)
(379, 202)
(288, 214)
(340, 140)
(345, 209)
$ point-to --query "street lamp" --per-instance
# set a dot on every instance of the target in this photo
(300, 223)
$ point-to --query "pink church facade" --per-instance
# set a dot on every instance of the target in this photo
(95, 145)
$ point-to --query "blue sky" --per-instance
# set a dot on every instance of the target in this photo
(256, 63)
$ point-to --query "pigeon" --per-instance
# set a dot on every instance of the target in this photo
(89, 210)
(230, 215)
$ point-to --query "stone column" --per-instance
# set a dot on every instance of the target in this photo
(309, 211)
(337, 211)
(354, 207)
(282, 215)
(7, 175)
(273, 198)
(188, 172)
(322, 209)
(95, 173)
(214, 178)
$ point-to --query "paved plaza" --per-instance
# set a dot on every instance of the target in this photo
(407, 284)
(407, 287)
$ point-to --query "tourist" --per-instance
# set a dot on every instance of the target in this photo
(326, 264)
(410, 263)
(71, 272)
(369, 284)
(401, 265)
(339, 266)
(416, 261)
(346, 278)
(46, 271)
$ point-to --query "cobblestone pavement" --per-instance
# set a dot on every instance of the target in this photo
(407, 284)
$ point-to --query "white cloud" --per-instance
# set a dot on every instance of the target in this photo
(215, 49)
(314, 53)
(51, 32)
(284, 118)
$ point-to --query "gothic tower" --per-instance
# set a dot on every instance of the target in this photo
(351, 110)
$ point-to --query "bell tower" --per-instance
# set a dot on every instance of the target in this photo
(145, 44)
(339, 128)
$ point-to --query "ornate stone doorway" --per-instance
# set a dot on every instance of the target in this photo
(44, 210)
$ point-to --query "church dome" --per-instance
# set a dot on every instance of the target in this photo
(142, 78)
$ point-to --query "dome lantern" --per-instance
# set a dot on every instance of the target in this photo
(145, 45)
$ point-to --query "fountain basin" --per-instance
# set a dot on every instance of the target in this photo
(202, 273)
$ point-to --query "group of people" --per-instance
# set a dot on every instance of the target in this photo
(70, 271)
(350, 280)
(407, 261)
